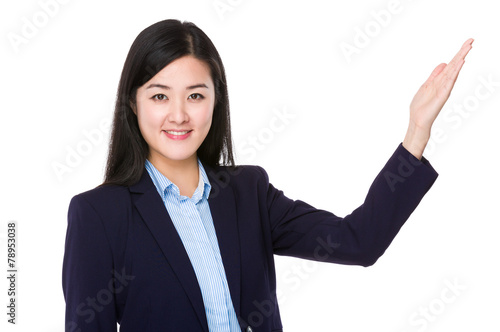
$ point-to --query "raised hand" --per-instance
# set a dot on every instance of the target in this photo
(430, 99)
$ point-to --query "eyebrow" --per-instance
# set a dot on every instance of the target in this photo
(166, 87)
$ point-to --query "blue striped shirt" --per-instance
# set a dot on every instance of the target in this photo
(193, 221)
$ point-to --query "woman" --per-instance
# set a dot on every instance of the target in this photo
(178, 238)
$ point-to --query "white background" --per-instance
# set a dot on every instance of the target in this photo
(349, 114)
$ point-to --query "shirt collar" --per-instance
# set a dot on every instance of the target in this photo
(164, 185)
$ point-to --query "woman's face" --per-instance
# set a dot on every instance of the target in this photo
(174, 110)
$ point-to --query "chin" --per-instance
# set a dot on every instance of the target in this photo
(178, 157)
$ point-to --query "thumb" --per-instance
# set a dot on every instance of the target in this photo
(436, 72)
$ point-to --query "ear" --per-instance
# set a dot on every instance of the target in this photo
(133, 106)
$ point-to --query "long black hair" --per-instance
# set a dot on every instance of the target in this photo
(153, 49)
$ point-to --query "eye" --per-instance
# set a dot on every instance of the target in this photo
(159, 97)
(196, 96)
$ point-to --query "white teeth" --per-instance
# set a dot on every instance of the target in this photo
(177, 132)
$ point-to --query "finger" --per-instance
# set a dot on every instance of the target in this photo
(456, 63)
(449, 82)
(466, 47)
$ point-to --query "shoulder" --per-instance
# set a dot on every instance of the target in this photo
(101, 214)
(103, 195)
(107, 203)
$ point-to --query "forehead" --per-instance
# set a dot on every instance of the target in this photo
(186, 70)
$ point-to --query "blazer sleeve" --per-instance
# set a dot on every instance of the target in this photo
(360, 238)
(88, 277)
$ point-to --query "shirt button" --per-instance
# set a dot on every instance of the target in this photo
(249, 329)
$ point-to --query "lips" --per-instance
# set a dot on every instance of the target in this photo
(173, 132)
(177, 134)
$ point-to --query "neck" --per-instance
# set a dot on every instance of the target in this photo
(183, 173)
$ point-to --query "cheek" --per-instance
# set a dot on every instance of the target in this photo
(207, 116)
(207, 120)
(149, 122)
(148, 117)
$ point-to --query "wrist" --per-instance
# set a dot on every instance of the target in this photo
(416, 139)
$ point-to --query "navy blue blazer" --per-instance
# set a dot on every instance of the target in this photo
(124, 261)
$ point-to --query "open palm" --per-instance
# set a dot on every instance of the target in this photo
(432, 95)
(430, 99)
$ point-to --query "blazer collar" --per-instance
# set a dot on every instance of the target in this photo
(223, 208)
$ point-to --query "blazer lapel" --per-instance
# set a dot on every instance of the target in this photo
(223, 209)
(157, 219)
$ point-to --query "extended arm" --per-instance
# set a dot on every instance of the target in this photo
(361, 237)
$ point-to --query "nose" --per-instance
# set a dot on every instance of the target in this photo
(177, 112)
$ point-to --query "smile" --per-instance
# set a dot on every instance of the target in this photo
(177, 132)
(177, 135)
